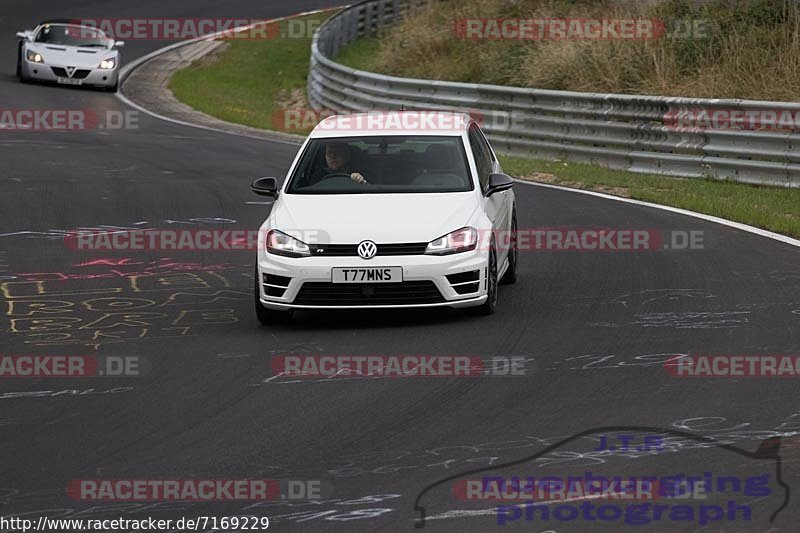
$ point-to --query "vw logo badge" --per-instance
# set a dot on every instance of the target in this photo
(367, 249)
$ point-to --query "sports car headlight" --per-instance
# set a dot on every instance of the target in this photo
(279, 243)
(108, 64)
(34, 57)
(461, 240)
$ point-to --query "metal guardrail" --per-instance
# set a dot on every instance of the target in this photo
(629, 132)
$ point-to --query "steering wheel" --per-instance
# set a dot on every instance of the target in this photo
(337, 180)
(338, 175)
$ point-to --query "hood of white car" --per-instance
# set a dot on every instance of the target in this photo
(72, 56)
(383, 218)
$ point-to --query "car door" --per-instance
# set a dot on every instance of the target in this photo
(508, 195)
(497, 207)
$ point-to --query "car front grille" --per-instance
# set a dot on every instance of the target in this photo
(351, 250)
(404, 293)
(79, 74)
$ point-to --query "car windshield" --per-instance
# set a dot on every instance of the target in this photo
(72, 35)
(381, 165)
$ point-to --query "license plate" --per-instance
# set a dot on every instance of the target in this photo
(367, 275)
(69, 81)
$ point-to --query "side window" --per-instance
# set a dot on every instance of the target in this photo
(485, 144)
(482, 154)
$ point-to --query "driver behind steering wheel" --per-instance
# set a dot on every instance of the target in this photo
(337, 160)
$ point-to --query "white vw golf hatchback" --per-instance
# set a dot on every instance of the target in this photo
(387, 210)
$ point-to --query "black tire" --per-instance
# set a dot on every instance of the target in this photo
(114, 88)
(20, 75)
(268, 317)
(510, 277)
(490, 305)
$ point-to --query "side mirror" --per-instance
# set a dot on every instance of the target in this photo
(265, 187)
(23, 34)
(498, 183)
(119, 44)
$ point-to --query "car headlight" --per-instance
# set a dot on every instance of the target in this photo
(279, 243)
(108, 64)
(34, 57)
(460, 240)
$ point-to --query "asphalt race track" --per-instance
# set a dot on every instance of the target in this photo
(594, 328)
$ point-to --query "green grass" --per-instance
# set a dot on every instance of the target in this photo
(361, 54)
(250, 82)
(774, 209)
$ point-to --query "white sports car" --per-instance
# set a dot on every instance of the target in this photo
(70, 54)
(388, 210)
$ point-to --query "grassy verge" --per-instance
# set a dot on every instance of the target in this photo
(770, 208)
(713, 49)
(361, 55)
(250, 82)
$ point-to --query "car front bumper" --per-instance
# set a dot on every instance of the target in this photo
(45, 72)
(416, 268)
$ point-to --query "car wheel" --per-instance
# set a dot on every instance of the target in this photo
(510, 277)
(20, 74)
(490, 305)
(268, 317)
